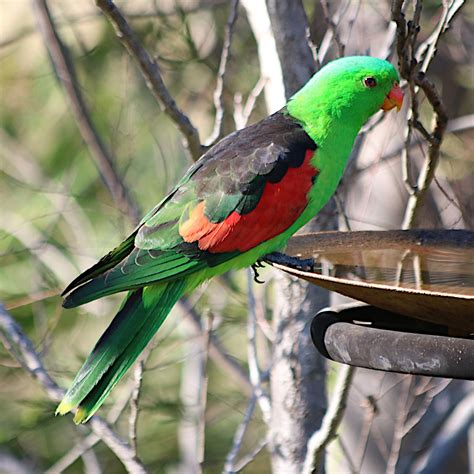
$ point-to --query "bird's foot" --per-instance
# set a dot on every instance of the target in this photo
(258, 264)
(305, 264)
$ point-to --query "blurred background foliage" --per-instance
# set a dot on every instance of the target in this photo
(57, 216)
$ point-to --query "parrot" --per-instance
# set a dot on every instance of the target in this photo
(243, 199)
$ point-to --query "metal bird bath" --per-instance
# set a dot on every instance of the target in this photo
(418, 286)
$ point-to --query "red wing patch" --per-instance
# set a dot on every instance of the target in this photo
(279, 206)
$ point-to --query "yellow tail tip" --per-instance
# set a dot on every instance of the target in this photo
(64, 407)
(81, 416)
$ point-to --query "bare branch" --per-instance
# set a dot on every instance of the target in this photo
(202, 388)
(370, 412)
(416, 417)
(121, 449)
(332, 27)
(91, 462)
(239, 436)
(218, 101)
(401, 417)
(76, 452)
(457, 125)
(254, 369)
(313, 48)
(64, 68)
(343, 219)
(193, 396)
(328, 37)
(91, 440)
(216, 351)
(133, 418)
(22, 350)
(429, 167)
(33, 240)
(152, 75)
(242, 111)
(347, 456)
(455, 428)
(92, 16)
(331, 421)
(428, 48)
(247, 459)
(414, 73)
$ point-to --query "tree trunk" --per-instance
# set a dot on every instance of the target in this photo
(297, 379)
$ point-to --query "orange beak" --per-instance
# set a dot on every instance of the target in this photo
(393, 99)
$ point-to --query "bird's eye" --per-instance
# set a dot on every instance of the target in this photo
(370, 82)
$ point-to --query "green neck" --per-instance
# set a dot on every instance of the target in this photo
(320, 114)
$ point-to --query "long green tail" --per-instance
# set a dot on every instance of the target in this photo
(141, 315)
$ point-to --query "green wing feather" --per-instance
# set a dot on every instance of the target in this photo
(154, 253)
(105, 263)
(140, 268)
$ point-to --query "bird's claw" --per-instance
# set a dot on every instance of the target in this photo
(258, 264)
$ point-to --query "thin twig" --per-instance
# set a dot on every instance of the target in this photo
(452, 434)
(242, 112)
(456, 125)
(427, 50)
(416, 417)
(217, 352)
(203, 383)
(19, 163)
(427, 172)
(398, 433)
(247, 459)
(216, 134)
(152, 75)
(313, 48)
(370, 412)
(328, 37)
(239, 436)
(133, 418)
(329, 19)
(22, 350)
(254, 370)
(347, 456)
(414, 73)
(65, 71)
(89, 441)
(91, 462)
(92, 16)
(331, 421)
(78, 450)
(342, 213)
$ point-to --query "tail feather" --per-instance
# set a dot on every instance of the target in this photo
(132, 328)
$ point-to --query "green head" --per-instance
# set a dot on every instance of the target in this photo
(344, 94)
